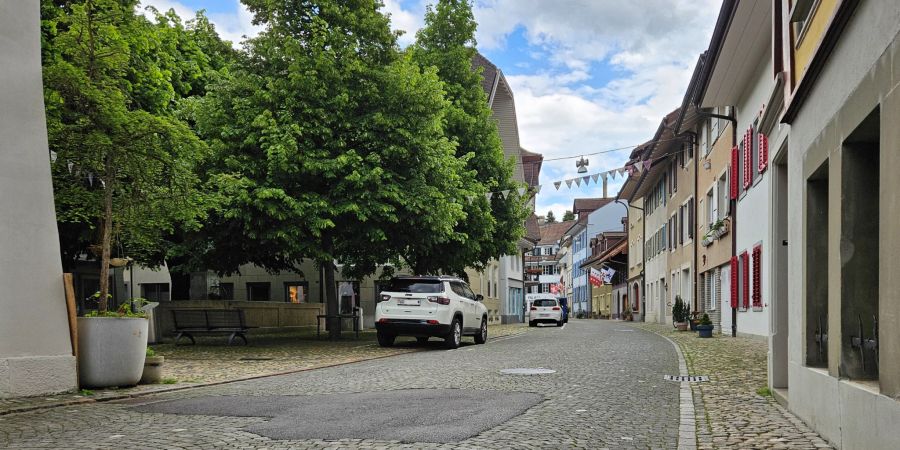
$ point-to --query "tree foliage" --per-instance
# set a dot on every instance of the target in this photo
(550, 217)
(492, 227)
(125, 174)
(568, 215)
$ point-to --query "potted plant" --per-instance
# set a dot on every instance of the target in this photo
(112, 345)
(705, 328)
(680, 314)
(153, 367)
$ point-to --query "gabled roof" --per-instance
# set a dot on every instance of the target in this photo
(551, 233)
(531, 166)
(490, 73)
(588, 205)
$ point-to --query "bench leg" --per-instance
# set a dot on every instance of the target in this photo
(237, 334)
(185, 334)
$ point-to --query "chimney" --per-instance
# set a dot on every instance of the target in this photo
(604, 187)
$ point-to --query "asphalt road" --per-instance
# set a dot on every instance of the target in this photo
(607, 391)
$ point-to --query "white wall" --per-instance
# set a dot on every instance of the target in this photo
(35, 348)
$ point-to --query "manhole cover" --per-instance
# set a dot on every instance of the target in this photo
(689, 378)
(256, 358)
(522, 371)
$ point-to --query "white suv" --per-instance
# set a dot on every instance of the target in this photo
(431, 306)
(545, 309)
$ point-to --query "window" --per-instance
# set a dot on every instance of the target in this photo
(415, 286)
(547, 270)
(155, 292)
(711, 206)
(222, 291)
(258, 292)
(296, 292)
(681, 224)
(691, 221)
(722, 197)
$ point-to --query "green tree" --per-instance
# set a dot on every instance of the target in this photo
(492, 227)
(328, 144)
(125, 170)
(550, 217)
(568, 215)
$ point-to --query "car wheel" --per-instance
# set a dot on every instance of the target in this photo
(385, 340)
(452, 340)
(531, 323)
(421, 340)
(481, 337)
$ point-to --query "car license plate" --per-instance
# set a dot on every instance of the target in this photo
(407, 302)
(545, 315)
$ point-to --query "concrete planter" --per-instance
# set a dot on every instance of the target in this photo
(681, 326)
(111, 350)
(153, 370)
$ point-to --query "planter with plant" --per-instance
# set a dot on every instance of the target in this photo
(112, 345)
(153, 368)
(680, 314)
(705, 327)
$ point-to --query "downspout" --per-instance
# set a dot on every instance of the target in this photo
(731, 202)
(643, 255)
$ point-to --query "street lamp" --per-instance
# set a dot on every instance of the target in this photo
(582, 165)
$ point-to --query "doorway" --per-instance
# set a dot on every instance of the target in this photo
(780, 311)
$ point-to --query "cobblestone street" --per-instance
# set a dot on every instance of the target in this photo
(607, 392)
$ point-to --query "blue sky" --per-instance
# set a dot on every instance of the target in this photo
(587, 75)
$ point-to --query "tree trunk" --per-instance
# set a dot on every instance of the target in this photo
(103, 303)
(332, 307)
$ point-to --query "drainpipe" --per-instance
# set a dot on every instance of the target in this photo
(643, 254)
(732, 203)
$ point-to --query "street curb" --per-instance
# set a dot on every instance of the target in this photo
(85, 401)
(687, 427)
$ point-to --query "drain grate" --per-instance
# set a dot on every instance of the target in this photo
(526, 371)
(688, 378)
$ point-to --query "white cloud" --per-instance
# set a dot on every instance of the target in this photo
(234, 26)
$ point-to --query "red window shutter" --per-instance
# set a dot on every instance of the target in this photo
(734, 175)
(763, 152)
(734, 282)
(745, 279)
(748, 152)
(757, 281)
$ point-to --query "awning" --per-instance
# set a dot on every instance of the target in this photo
(620, 248)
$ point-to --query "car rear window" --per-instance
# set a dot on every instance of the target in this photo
(416, 286)
(544, 302)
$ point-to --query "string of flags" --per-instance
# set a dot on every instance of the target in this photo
(630, 169)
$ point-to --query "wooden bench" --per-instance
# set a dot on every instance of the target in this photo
(189, 322)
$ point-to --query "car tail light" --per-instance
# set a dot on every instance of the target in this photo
(556, 308)
(439, 300)
(385, 297)
(534, 308)
(433, 322)
(383, 320)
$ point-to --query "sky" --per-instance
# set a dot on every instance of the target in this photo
(587, 75)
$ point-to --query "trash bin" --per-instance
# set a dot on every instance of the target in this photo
(149, 309)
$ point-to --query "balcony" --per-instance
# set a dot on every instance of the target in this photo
(541, 258)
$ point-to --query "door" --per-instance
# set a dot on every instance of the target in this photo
(467, 305)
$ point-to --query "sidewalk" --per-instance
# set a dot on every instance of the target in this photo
(212, 362)
(734, 409)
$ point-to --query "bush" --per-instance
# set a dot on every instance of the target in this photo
(705, 320)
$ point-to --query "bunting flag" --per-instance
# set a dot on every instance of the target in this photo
(578, 182)
(612, 174)
(537, 190)
(569, 183)
(586, 179)
(595, 177)
(489, 195)
(631, 170)
(647, 165)
(506, 193)
(622, 171)
(521, 192)
(638, 167)
(557, 184)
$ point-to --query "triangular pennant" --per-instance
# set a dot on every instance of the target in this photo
(557, 184)
(578, 182)
(647, 165)
(489, 195)
(622, 171)
(506, 193)
(631, 170)
(595, 177)
(537, 190)
(612, 174)
(586, 179)
(569, 183)
(521, 192)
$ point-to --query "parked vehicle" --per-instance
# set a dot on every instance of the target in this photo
(430, 306)
(545, 309)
